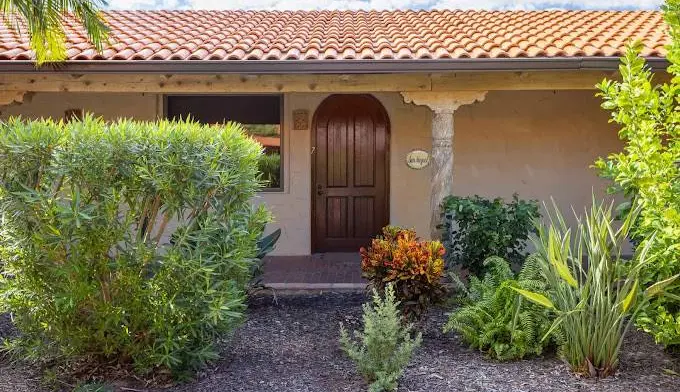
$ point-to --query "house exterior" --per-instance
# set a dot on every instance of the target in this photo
(367, 117)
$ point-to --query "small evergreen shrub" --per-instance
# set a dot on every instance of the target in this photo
(415, 268)
(496, 320)
(385, 347)
(474, 229)
(128, 242)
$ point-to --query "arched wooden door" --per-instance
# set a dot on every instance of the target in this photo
(350, 172)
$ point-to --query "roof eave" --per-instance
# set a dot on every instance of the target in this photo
(328, 66)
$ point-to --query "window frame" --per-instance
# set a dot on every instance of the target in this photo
(282, 125)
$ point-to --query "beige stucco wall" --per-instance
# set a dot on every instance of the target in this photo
(110, 106)
(537, 143)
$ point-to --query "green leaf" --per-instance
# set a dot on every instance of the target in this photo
(658, 287)
(537, 298)
(630, 297)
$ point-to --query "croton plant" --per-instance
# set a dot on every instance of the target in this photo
(415, 267)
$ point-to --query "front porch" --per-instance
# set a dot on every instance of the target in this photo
(319, 271)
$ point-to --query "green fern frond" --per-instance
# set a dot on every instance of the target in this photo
(495, 320)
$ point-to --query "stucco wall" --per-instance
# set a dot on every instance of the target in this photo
(537, 143)
(110, 106)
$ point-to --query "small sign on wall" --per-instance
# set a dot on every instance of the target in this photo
(418, 159)
(300, 119)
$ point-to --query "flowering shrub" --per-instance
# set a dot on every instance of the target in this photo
(415, 267)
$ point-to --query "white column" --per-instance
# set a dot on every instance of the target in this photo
(443, 105)
(442, 164)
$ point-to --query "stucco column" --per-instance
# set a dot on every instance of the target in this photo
(443, 106)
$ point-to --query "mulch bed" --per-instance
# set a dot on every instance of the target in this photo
(292, 345)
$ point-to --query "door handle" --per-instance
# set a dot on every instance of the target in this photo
(319, 190)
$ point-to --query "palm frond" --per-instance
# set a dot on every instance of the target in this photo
(44, 21)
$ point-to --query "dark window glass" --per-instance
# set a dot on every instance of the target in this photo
(259, 114)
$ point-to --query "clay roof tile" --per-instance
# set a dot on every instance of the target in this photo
(301, 35)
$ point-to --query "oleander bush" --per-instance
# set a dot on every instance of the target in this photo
(496, 320)
(385, 346)
(127, 242)
(474, 229)
(647, 171)
(594, 292)
(415, 267)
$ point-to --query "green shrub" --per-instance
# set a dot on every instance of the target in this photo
(270, 167)
(499, 322)
(648, 169)
(385, 346)
(475, 228)
(92, 266)
(415, 268)
(593, 290)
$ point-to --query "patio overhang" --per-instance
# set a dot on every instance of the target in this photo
(327, 66)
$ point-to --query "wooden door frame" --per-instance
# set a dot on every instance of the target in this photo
(388, 141)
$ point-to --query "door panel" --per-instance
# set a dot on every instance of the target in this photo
(350, 172)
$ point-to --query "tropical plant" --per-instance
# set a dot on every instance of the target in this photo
(44, 20)
(385, 347)
(595, 292)
(415, 268)
(265, 245)
(474, 229)
(126, 242)
(647, 171)
(496, 320)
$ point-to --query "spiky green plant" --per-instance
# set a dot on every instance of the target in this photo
(385, 346)
(496, 320)
(44, 20)
(595, 292)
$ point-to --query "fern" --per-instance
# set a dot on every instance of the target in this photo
(496, 320)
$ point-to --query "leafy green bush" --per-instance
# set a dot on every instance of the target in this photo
(270, 167)
(92, 266)
(385, 346)
(594, 291)
(475, 228)
(415, 268)
(499, 322)
(648, 169)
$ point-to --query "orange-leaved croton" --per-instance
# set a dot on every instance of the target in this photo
(415, 266)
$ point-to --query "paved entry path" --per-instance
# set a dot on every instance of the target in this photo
(318, 271)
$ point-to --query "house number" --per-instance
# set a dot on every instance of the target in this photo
(418, 159)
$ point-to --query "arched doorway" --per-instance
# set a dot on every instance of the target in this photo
(350, 172)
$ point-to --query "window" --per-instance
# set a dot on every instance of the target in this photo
(259, 114)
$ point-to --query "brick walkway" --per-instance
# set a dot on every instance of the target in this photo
(318, 271)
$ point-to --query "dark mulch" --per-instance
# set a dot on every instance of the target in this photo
(292, 346)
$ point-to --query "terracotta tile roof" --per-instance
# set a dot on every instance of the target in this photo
(369, 35)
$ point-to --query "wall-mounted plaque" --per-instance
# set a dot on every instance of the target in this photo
(418, 159)
(300, 119)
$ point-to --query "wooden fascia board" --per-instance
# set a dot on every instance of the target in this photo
(207, 84)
